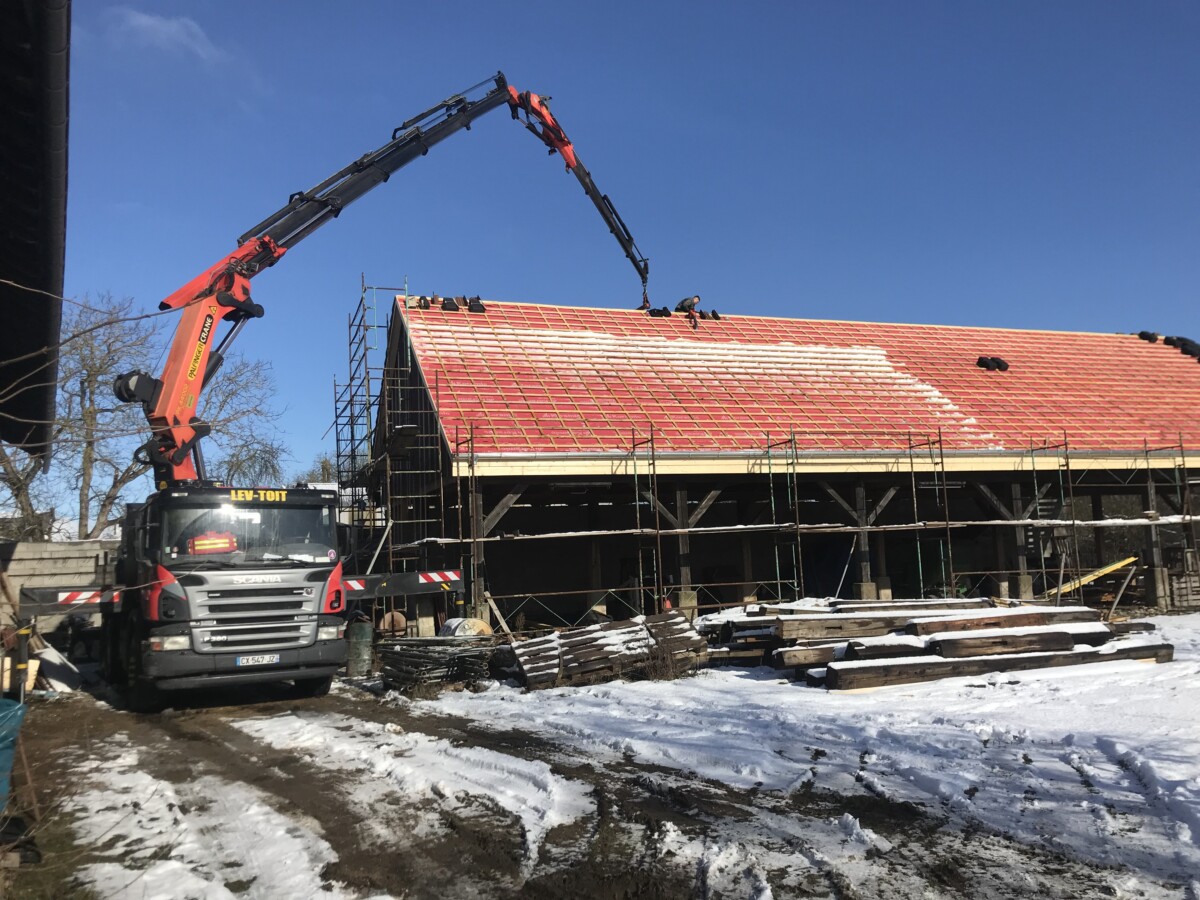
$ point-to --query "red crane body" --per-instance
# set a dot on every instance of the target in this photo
(222, 291)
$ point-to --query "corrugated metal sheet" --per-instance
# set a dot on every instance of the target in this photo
(550, 379)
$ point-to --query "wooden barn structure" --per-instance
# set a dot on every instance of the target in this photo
(574, 461)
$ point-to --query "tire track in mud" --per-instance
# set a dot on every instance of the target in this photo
(654, 832)
(925, 857)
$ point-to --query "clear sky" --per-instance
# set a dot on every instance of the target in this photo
(1015, 164)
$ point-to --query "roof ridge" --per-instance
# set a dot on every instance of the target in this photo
(559, 307)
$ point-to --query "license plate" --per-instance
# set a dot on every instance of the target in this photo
(262, 659)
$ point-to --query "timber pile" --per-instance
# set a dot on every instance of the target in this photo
(752, 640)
(875, 651)
(610, 650)
(404, 662)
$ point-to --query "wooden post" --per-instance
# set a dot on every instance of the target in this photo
(685, 543)
(864, 586)
(1098, 514)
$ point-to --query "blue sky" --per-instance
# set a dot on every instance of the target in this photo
(1016, 164)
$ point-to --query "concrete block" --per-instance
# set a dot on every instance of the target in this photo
(1158, 588)
(866, 590)
(884, 584)
(1022, 585)
(685, 599)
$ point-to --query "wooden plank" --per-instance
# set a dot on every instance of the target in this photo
(1131, 627)
(913, 608)
(1040, 642)
(794, 657)
(496, 612)
(1048, 616)
(598, 665)
(833, 627)
(720, 656)
(850, 676)
(1089, 578)
(857, 650)
(816, 677)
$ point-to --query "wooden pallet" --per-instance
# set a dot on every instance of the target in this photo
(609, 650)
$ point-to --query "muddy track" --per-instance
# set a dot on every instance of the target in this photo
(629, 848)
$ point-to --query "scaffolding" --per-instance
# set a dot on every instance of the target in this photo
(392, 462)
(353, 400)
(419, 495)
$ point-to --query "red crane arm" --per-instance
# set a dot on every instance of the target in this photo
(222, 291)
(541, 123)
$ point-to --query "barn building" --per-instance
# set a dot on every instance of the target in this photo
(580, 461)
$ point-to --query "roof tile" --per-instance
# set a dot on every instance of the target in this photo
(536, 378)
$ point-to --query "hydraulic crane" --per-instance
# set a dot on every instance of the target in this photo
(222, 291)
(226, 585)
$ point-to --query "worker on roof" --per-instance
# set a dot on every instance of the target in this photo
(687, 306)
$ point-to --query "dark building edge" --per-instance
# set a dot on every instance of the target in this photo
(34, 104)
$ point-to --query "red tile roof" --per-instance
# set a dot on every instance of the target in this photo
(552, 379)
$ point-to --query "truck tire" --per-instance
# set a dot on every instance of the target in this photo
(135, 693)
(314, 687)
(141, 697)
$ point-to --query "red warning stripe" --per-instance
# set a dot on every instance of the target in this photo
(353, 584)
(439, 577)
(72, 597)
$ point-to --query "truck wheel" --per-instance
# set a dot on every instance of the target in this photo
(136, 694)
(142, 697)
(314, 687)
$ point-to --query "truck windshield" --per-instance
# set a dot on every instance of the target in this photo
(249, 535)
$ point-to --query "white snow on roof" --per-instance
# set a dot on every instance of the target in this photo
(864, 370)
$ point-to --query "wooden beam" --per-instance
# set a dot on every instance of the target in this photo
(1171, 501)
(879, 507)
(1046, 615)
(850, 511)
(685, 543)
(663, 511)
(992, 499)
(854, 675)
(487, 595)
(497, 513)
(1038, 642)
(1034, 502)
(708, 501)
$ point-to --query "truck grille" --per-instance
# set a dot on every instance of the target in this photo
(242, 602)
(233, 637)
(250, 619)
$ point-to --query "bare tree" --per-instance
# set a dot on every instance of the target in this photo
(322, 471)
(95, 436)
(96, 433)
(26, 517)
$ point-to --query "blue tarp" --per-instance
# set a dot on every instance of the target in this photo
(12, 714)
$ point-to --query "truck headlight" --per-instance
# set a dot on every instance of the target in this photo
(171, 642)
(330, 632)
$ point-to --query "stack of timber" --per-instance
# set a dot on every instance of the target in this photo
(904, 649)
(405, 662)
(610, 650)
(752, 641)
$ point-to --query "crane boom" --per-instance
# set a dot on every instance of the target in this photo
(222, 291)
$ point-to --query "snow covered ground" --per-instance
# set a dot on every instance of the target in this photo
(1100, 763)
(199, 840)
(768, 788)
